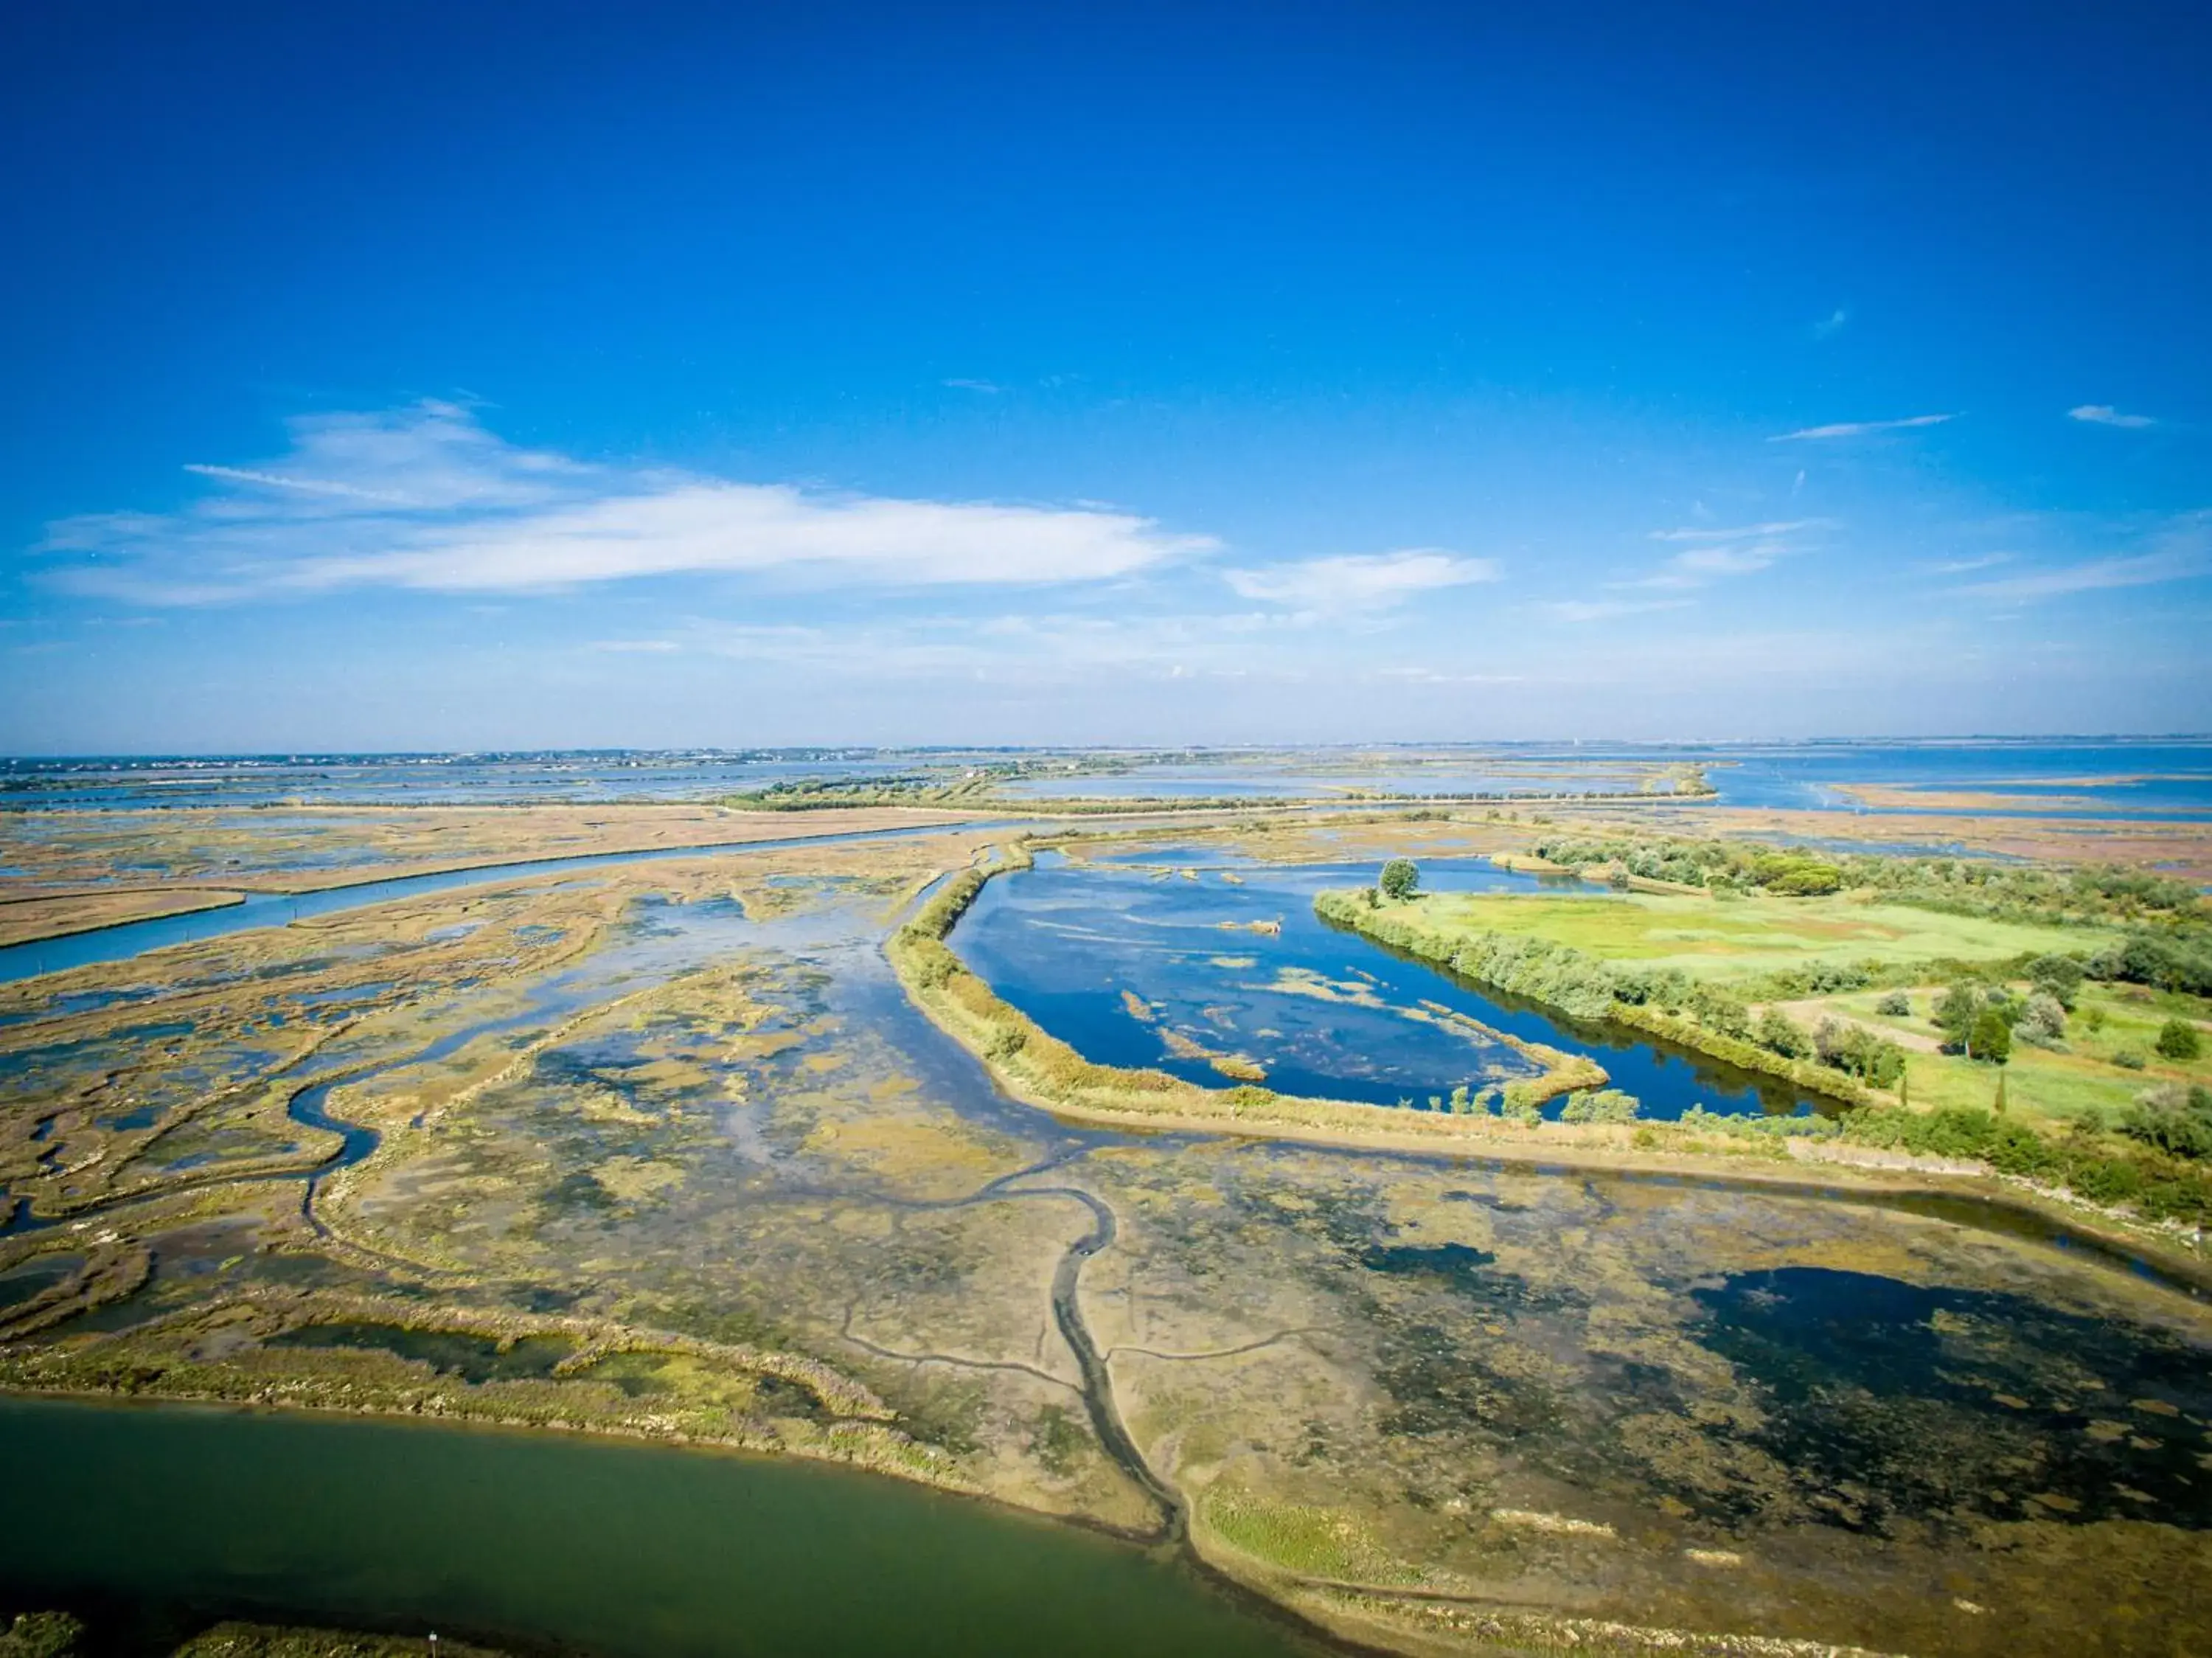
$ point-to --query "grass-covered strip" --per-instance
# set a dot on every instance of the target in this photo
(1037, 1066)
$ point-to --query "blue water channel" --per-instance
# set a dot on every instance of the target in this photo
(132, 938)
(1121, 960)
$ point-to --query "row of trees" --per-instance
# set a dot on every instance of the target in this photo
(2101, 893)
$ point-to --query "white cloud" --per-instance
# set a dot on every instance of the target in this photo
(1831, 325)
(637, 647)
(2104, 414)
(1862, 427)
(1360, 581)
(424, 497)
(989, 388)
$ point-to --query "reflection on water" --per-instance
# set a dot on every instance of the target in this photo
(1176, 964)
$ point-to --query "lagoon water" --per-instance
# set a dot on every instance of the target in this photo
(1323, 1011)
(2144, 778)
(163, 1518)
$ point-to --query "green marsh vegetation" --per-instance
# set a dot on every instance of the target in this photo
(739, 1193)
(1961, 1011)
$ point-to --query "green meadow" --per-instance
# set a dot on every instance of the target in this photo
(1713, 938)
(2087, 1076)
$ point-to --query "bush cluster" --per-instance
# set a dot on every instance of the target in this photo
(1600, 1106)
(2153, 1181)
(1962, 885)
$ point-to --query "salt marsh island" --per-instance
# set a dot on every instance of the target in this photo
(1474, 1228)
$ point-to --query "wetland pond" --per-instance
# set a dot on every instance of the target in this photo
(1164, 963)
(157, 1520)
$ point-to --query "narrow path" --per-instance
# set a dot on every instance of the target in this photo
(845, 1329)
(1265, 1342)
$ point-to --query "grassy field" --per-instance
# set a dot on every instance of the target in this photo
(1725, 940)
(1714, 939)
(2040, 1083)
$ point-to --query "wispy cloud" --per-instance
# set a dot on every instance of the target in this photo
(1960, 566)
(989, 388)
(1604, 610)
(1745, 532)
(2104, 414)
(1740, 550)
(2180, 551)
(1861, 428)
(637, 646)
(1360, 581)
(424, 497)
(306, 486)
(1831, 325)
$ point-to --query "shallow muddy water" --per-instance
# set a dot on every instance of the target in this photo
(1158, 964)
(175, 1516)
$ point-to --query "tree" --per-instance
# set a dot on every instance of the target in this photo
(1956, 1009)
(1990, 1038)
(1400, 878)
(2177, 1040)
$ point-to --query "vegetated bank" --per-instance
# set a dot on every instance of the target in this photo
(2019, 969)
(1880, 1144)
(1042, 1070)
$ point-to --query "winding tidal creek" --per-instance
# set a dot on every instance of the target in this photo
(1371, 1385)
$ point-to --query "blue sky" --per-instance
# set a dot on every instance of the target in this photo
(440, 376)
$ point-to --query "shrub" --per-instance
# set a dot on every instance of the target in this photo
(1797, 877)
(2177, 1040)
(2058, 977)
(2128, 1060)
(2045, 1019)
(1895, 1005)
(1857, 1052)
(1600, 1106)
(2177, 1121)
(1778, 1033)
(1719, 1010)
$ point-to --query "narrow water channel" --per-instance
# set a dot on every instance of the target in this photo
(130, 938)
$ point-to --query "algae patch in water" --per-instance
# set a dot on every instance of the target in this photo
(1937, 1403)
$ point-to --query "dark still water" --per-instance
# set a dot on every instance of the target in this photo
(158, 1519)
(1158, 963)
